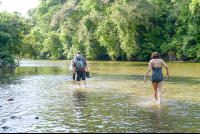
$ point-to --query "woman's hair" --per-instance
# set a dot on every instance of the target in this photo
(154, 55)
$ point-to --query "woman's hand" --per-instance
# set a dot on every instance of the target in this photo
(144, 80)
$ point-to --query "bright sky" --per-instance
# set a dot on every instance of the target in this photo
(20, 6)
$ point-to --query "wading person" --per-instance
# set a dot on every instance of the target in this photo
(72, 66)
(80, 65)
(157, 76)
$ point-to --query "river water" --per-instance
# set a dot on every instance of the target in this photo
(116, 100)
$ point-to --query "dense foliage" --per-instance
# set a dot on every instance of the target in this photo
(13, 29)
(104, 30)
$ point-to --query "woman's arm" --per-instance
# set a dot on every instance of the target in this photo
(148, 70)
(164, 64)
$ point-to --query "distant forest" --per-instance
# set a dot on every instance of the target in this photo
(120, 30)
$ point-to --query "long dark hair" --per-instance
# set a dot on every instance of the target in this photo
(155, 55)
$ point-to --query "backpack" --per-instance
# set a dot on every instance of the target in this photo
(80, 63)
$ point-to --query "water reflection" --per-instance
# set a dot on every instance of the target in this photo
(157, 118)
(79, 99)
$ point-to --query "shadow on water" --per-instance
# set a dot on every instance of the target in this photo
(169, 80)
(8, 77)
(117, 64)
(56, 70)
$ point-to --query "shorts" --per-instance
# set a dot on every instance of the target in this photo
(80, 74)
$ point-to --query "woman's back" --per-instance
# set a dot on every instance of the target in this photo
(157, 63)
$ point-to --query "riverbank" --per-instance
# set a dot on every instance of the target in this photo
(7, 65)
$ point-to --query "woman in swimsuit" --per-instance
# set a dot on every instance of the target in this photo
(157, 76)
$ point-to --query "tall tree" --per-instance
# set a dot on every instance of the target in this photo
(12, 31)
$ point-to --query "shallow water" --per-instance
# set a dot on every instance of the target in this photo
(46, 99)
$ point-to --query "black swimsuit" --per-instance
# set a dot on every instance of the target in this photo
(157, 74)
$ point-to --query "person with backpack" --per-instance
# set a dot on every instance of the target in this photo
(79, 67)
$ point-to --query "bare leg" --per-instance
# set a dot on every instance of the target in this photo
(84, 81)
(159, 85)
(79, 83)
(155, 90)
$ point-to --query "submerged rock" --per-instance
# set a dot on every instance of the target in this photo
(10, 99)
(15, 117)
(5, 127)
(36, 117)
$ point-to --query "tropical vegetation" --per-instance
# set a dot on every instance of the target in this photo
(103, 30)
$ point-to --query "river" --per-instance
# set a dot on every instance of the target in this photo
(116, 100)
